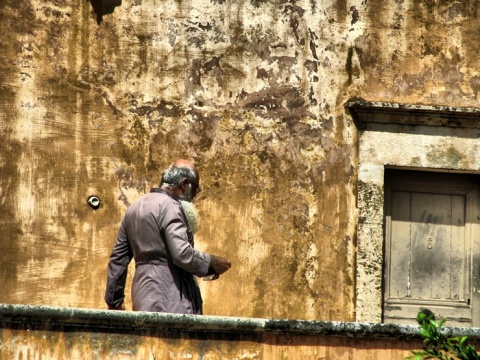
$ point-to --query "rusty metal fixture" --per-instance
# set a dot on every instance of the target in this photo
(94, 202)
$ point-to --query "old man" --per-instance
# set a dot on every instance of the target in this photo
(157, 231)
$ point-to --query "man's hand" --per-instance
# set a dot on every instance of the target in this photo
(219, 264)
(120, 307)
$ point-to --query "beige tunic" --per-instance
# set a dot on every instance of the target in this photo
(155, 232)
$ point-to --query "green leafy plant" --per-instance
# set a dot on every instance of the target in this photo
(437, 345)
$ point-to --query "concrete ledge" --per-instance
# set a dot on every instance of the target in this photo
(44, 332)
(26, 317)
(364, 112)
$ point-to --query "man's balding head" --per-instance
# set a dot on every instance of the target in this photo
(178, 176)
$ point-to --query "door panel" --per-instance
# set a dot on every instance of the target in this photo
(428, 245)
(434, 248)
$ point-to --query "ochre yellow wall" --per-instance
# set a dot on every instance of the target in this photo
(252, 91)
(78, 345)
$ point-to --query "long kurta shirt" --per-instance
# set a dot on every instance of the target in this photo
(155, 232)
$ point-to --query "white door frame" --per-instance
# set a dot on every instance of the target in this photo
(419, 137)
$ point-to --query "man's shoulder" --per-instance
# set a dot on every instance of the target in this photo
(158, 205)
(158, 199)
(150, 199)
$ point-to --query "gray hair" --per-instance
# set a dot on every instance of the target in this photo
(173, 175)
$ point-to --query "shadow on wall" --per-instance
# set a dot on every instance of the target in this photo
(104, 7)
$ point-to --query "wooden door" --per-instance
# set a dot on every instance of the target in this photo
(431, 229)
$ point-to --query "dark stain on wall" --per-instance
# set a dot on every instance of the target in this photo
(295, 14)
(283, 102)
(104, 7)
(155, 111)
(355, 15)
(341, 10)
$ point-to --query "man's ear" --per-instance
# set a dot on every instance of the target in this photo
(184, 182)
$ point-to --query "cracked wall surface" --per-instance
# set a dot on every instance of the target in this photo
(252, 91)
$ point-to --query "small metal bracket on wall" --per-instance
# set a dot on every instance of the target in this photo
(94, 202)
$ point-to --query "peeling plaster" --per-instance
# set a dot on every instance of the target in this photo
(254, 93)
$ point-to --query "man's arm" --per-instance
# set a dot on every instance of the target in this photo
(183, 253)
(117, 271)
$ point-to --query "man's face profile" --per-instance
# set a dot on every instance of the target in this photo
(188, 194)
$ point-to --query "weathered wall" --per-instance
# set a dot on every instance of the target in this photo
(102, 109)
(252, 91)
(77, 345)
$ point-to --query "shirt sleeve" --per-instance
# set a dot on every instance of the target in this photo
(183, 253)
(117, 269)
